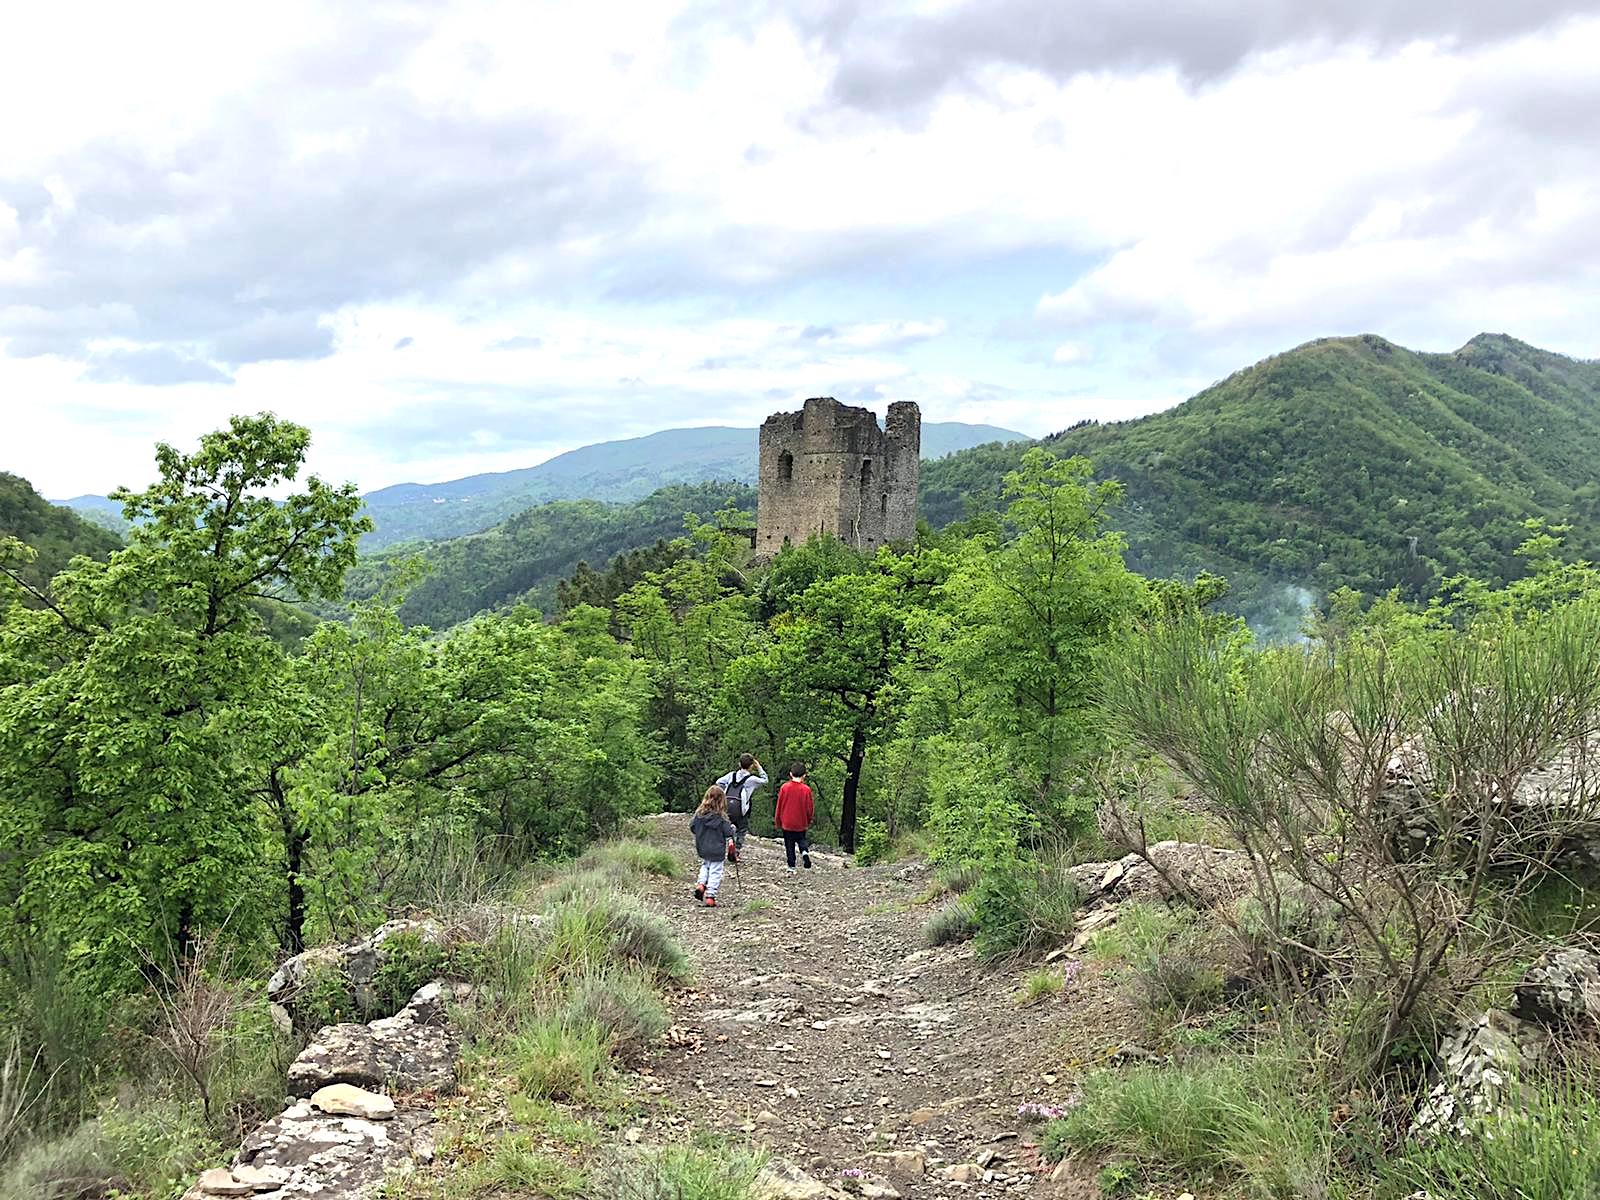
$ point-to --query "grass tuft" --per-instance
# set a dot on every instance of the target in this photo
(679, 1173)
(1041, 986)
(955, 922)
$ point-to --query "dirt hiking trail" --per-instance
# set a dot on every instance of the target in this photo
(819, 1027)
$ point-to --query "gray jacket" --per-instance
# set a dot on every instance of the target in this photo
(739, 794)
(711, 834)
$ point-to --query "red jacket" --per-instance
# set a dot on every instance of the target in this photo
(794, 807)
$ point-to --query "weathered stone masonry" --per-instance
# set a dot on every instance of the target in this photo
(829, 468)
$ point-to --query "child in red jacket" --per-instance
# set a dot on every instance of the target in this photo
(794, 814)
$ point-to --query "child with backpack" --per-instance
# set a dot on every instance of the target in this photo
(740, 784)
(794, 812)
(712, 833)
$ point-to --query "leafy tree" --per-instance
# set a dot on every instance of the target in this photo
(834, 671)
(1027, 616)
(129, 715)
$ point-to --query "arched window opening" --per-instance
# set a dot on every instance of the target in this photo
(785, 467)
(883, 505)
(866, 474)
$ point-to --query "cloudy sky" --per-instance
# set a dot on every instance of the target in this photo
(455, 237)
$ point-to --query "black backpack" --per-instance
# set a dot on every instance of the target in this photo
(737, 813)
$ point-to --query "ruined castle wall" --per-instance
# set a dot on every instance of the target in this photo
(830, 469)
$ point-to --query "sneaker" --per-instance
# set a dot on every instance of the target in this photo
(699, 891)
(711, 901)
(806, 858)
(790, 870)
(733, 853)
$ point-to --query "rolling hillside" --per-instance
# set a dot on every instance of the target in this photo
(522, 560)
(1345, 461)
(57, 534)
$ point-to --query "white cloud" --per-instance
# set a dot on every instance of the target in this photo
(459, 235)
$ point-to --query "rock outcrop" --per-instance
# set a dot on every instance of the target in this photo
(357, 962)
(412, 1051)
(1562, 987)
(1480, 1065)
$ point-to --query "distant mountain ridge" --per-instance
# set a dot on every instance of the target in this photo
(621, 471)
(1345, 461)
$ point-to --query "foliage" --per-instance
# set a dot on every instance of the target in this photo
(623, 1006)
(1040, 986)
(1243, 1121)
(555, 1060)
(38, 539)
(873, 844)
(587, 933)
(1293, 753)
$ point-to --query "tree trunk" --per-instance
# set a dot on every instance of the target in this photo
(293, 937)
(852, 784)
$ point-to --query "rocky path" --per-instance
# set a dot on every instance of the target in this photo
(820, 1028)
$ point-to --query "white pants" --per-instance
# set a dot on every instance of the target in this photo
(711, 876)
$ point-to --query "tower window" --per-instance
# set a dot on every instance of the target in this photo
(785, 467)
(883, 507)
(866, 473)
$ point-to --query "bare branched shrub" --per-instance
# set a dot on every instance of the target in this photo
(199, 1004)
(1414, 792)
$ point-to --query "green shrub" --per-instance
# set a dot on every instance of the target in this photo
(555, 1060)
(324, 998)
(678, 1173)
(622, 1005)
(872, 843)
(955, 922)
(410, 960)
(1021, 911)
(1171, 958)
(147, 1148)
(1118, 1179)
(586, 884)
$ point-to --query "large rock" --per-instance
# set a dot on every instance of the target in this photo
(343, 1100)
(412, 1051)
(1562, 987)
(1212, 876)
(1479, 1073)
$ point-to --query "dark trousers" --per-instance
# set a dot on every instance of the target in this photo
(739, 832)
(793, 841)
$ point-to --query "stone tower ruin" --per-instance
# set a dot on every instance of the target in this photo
(829, 468)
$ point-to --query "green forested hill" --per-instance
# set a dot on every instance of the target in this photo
(1345, 461)
(524, 558)
(57, 534)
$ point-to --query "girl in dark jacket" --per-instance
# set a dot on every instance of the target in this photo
(712, 831)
